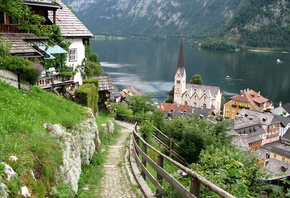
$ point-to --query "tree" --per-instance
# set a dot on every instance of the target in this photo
(196, 79)
(140, 104)
(233, 170)
(170, 98)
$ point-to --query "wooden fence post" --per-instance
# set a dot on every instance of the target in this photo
(144, 149)
(194, 187)
(160, 163)
(170, 147)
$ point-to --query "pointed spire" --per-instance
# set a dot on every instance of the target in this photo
(180, 58)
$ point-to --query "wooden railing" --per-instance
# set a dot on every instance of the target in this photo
(142, 160)
(10, 28)
(172, 148)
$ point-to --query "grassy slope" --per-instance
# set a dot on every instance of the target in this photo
(22, 134)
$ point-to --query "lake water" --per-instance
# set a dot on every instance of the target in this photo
(150, 66)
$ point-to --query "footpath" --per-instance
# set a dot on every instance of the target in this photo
(118, 181)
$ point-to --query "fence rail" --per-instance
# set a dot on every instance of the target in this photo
(142, 160)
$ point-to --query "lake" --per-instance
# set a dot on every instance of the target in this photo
(150, 67)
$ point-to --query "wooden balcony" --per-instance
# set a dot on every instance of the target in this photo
(10, 28)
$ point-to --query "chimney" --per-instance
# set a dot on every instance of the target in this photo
(259, 94)
(280, 104)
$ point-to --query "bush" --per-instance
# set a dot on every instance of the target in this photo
(94, 81)
(87, 95)
(20, 66)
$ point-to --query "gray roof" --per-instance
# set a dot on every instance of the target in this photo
(105, 82)
(275, 166)
(20, 45)
(210, 91)
(282, 149)
(286, 136)
(70, 25)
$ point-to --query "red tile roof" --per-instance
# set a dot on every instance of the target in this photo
(252, 97)
(173, 107)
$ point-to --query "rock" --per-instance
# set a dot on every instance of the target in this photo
(79, 146)
(8, 171)
(13, 158)
(25, 192)
(4, 192)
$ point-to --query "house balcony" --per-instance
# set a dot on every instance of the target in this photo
(10, 28)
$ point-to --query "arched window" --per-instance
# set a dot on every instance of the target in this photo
(185, 102)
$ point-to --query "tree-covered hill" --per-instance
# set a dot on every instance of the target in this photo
(262, 23)
(196, 19)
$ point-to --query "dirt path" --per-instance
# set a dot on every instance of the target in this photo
(118, 181)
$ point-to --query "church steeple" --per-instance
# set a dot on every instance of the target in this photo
(180, 76)
(180, 63)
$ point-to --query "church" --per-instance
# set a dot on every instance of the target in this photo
(200, 97)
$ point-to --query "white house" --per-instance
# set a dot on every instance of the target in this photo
(75, 32)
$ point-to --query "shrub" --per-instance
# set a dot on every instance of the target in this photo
(87, 95)
(20, 66)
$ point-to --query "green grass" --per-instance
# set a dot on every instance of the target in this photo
(22, 134)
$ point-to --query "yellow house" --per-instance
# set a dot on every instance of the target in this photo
(247, 99)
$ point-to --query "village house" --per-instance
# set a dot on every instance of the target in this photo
(277, 158)
(259, 128)
(74, 32)
(197, 96)
(247, 99)
(38, 48)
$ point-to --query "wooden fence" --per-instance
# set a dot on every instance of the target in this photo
(142, 160)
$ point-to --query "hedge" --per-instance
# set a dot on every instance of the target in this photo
(87, 95)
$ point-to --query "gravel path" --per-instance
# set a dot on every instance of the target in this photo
(118, 181)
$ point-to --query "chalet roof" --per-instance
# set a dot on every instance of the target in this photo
(129, 92)
(105, 82)
(20, 45)
(44, 3)
(114, 92)
(70, 25)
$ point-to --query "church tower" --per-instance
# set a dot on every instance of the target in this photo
(180, 77)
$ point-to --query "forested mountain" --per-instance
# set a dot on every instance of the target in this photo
(196, 19)
(261, 23)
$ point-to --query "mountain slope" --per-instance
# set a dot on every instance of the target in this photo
(263, 23)
(194, 18)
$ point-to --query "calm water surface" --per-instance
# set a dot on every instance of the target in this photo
(150, 66)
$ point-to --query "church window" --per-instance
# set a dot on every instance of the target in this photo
(204, 105)
(178, 82)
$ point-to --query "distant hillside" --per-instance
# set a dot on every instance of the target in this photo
(261, 23)
(196, 19)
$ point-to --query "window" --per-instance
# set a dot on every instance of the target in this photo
(178, 82)
(2, 21)
(186, 103)
(73, 55)
(234, 110)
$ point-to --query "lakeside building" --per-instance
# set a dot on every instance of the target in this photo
(197, 96)
(247, 99)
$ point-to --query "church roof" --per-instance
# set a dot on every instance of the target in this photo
(180, 64)
(200, 90)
